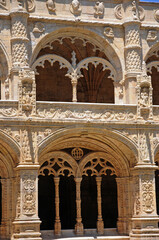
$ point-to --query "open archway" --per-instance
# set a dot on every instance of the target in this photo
(152, 62)
(57, 80)
(90, 172)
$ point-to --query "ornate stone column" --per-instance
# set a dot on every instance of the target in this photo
(100, 223)
(145, 219)
(133, 52)
(79, 225)
(57, 225)
(27, 224)
(19, 45)
(74, 88)
(23, 87)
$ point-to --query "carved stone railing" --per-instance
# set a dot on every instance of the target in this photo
(86, 112)
(8, 109)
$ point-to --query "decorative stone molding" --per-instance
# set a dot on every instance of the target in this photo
(87, 115)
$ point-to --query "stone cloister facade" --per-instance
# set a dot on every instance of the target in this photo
(79, 118)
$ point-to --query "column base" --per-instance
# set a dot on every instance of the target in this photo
(57, 228)
(100, 227)
(79, 228)
(26, 230)
(145, 234)
(145, 229)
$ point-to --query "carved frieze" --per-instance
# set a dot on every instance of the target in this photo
(85, 115)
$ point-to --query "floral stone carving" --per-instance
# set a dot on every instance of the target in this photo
(29, 197)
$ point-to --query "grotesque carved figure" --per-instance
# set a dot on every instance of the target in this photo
(108, 32)
(134, 11)
(75, 7)
(152, 35)
(144, 96)
(99, 9)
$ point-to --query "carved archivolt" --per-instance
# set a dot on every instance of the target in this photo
(151, 65)
(95, 61)
(52, 58)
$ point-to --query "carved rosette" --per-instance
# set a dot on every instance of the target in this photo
(19, 38)
(28, 195)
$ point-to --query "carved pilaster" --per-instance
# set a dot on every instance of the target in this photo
(145, 143)
(27, 222)
(57, 225)
(79, 225)
(123, 205)
(145, 219)
(100, 223)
